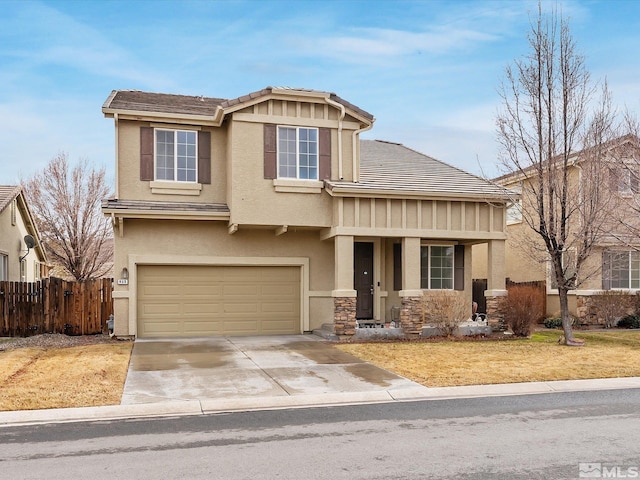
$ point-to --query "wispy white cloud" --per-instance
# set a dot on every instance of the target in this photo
(51, 38)
(377, 45)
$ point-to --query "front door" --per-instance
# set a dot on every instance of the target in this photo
(363, 279)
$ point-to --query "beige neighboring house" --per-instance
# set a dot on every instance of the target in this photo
(17, 262)
(614, 262)
(266, 214)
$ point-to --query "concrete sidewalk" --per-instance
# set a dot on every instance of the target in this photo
(242, 404)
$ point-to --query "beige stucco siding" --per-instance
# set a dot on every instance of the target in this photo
(209, 243)
(12, 244)
(254, 200)
(131, 187)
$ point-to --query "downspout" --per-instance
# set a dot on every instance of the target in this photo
(356, 164)
(115, 121)
(340, 119)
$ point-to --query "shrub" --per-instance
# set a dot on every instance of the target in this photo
(630, 321)
(445, 310)
(553, 322)
(611, 305)
(523, 306)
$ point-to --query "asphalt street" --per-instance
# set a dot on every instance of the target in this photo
(548, 436)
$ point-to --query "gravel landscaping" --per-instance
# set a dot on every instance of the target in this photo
(54, 340)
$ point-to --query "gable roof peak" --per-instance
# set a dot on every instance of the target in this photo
(8, 193)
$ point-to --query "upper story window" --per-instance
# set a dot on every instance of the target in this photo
(298, 153)
(176, 156)
(625, 179)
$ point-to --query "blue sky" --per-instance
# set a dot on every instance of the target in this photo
(427, 70)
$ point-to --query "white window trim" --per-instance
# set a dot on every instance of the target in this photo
(297, 177)
(4, 260)
(453, 265)
(167, 187)
(629, 260)
(175, 156)
(293, 185)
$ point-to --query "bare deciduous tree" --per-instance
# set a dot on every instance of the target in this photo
(65, 201)
(553, 130)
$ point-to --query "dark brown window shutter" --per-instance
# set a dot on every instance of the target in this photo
(397, 266)
(324, 148)
(146, 154)
(204, 157)
(270, 149)
(458, 262)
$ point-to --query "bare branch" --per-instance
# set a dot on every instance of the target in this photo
(66, 203)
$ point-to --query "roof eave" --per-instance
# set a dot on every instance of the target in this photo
(354, 191)
(156, 116)
(31, 224)
(164, 214)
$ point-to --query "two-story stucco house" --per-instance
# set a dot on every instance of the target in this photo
(614, 261)
(18, 262)
(266, 214)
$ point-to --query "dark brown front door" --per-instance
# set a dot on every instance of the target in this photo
(363, 278)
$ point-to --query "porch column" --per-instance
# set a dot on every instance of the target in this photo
(411, 293)
(496, 292)
(344, 295)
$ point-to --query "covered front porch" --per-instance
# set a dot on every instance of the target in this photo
(386, 281)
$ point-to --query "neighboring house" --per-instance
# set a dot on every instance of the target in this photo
(17, 262)
(614, 262)
(267, 214)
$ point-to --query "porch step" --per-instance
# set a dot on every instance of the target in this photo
(327, 331)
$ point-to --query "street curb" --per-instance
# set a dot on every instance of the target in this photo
(244, 404)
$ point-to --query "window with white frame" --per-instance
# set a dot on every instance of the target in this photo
(514, 207)
(36, 270)
(514, 212)
(298, 153)
(23, 271)
(4, 267)
(436, 267)
(176, 155)
(621, 269)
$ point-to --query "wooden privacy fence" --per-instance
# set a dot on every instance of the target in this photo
(480, 285)
(54, 305)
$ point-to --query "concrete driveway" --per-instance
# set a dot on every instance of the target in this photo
(163, 370)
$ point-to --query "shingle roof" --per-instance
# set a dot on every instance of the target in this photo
(135, 100)
(393, 167)
(7, 194)
(154, 102)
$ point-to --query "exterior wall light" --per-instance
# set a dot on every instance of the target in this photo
(124, 277)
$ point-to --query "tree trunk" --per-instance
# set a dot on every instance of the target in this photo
(569, 339)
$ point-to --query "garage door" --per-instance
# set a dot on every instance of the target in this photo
(197, 301)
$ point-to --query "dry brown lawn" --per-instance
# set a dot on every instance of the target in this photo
(34, 378)
(541, 358)
(91, 375)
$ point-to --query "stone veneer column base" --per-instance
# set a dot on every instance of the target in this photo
(495, 313)
(344, 316)
(411, 316)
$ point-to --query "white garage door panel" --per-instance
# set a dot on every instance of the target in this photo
(195, 301)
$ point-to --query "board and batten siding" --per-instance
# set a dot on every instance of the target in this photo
(401, 217)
